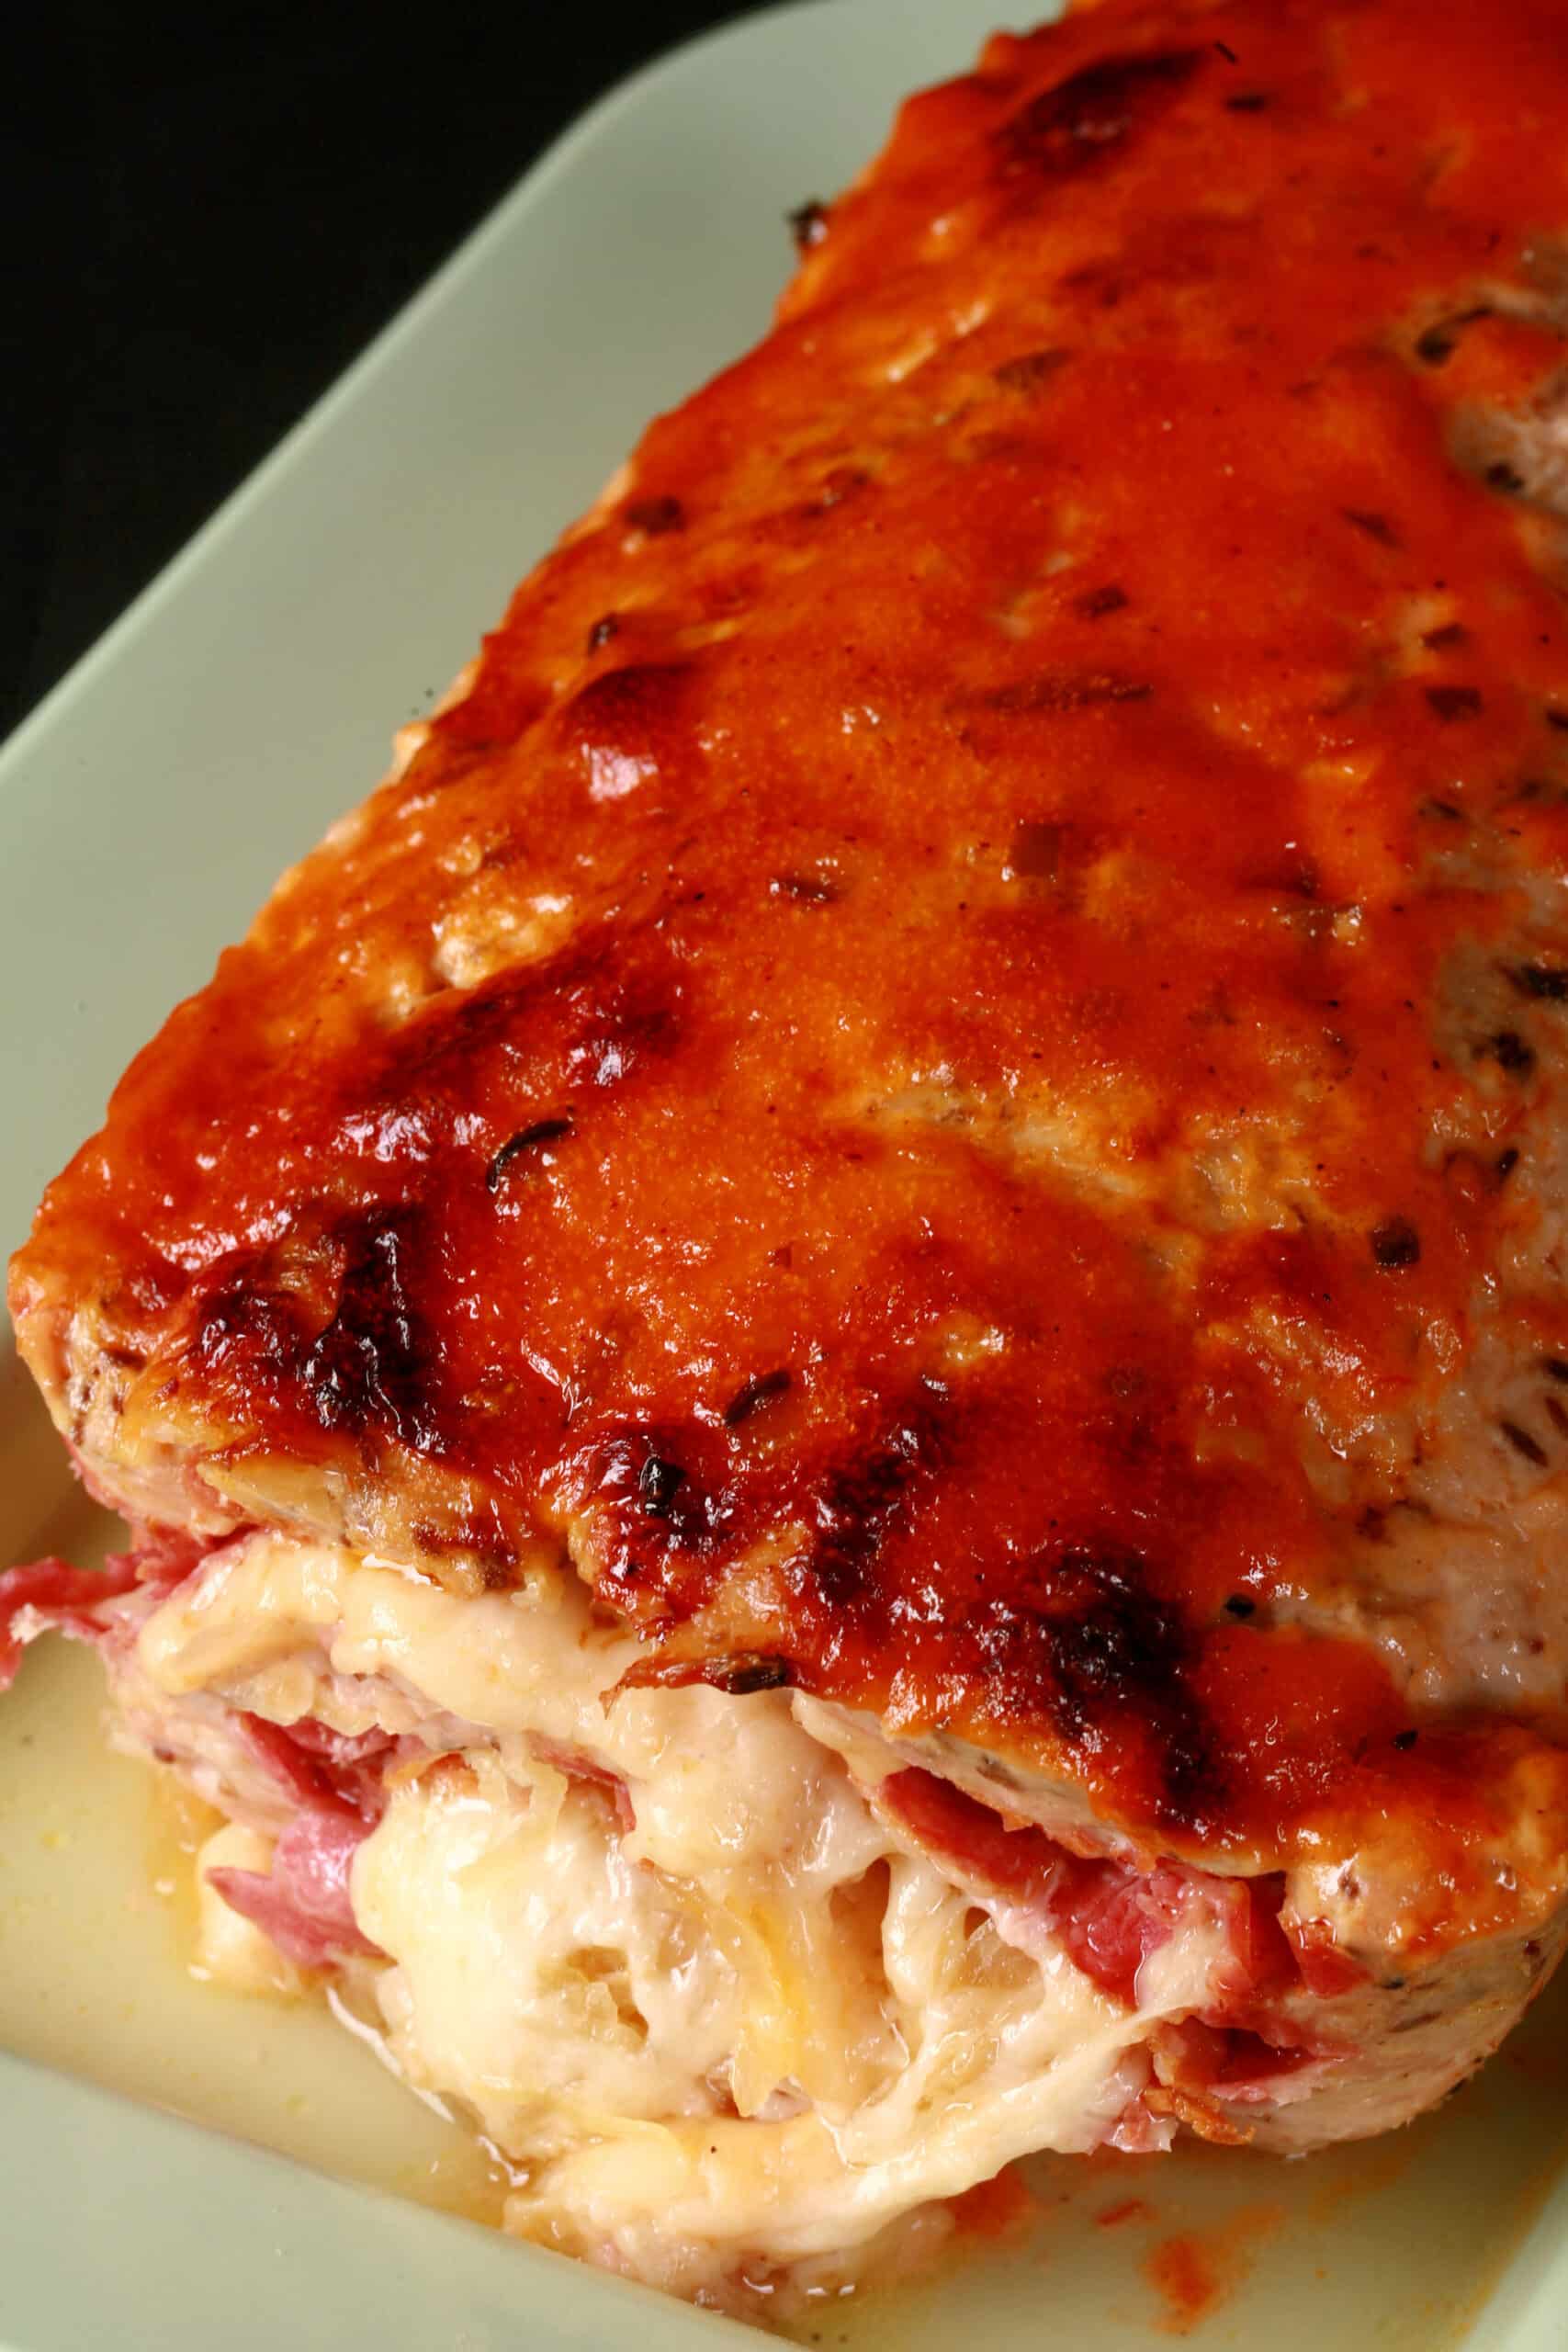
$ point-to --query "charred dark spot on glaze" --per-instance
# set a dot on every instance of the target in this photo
(1395, 1244)
(1030, 369)
(764, 1389)
(1061, 693)
(1547, 983)
(372, 1366)
(1373, 526)
(655, 516)
(373, 1362)
(657, 1484)
(515, 1147)
(1087, 120)
(1102, 1650)
(860, 1504)
(1452, 704)
(1509, 1051)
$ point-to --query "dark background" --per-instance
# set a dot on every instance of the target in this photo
(212, 208)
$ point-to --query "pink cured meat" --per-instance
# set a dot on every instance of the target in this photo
(321, 1766)
(303, 1904)
(54, 1597)
(1108, 1918)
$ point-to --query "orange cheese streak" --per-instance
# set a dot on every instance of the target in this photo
(968, 765)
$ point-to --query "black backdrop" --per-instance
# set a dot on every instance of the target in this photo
(214, 205)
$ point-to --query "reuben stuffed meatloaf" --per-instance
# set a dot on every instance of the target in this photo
(840, 1357)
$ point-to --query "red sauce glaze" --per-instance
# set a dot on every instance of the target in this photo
(757, 1090)
(1189, 2282)
(1194, 2272)
(996, 2208)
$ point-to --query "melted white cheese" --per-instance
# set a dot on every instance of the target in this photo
(757, 2028)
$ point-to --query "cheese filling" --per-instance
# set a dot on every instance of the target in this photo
(727, 2021)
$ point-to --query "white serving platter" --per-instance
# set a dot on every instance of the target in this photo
(144, 810)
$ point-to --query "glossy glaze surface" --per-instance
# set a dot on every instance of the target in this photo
(945, 888)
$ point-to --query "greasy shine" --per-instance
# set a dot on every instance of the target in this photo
(754, 1091)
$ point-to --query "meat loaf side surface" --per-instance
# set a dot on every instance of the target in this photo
(942, 1079)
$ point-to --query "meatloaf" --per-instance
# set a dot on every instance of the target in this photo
(840, 1358)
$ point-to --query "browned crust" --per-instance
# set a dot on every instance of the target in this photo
(970, 787)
